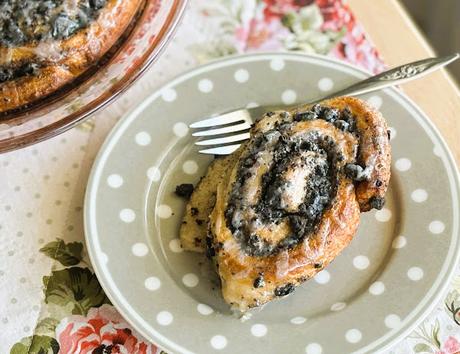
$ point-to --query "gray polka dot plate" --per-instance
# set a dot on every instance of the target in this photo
(372, 295)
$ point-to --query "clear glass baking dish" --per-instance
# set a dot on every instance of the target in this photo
(95, 89)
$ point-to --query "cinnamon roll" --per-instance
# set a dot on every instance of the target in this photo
(288, 201)
(45, 44)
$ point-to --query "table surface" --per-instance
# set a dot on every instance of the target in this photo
(399, 40)
(42, 195)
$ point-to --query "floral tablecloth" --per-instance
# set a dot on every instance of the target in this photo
(51, 301)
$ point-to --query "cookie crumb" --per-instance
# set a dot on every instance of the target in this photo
(184, 190)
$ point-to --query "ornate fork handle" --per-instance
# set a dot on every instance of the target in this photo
(231, 122)
(393, 76)
(405, 72)
(410, 70)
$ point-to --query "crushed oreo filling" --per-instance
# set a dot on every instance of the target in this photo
(357, 172)
(377, 202)
(194, 211)
(311, 151)
(342, 119)
(184, 190)
(259, 282)
(210, 251)
(31, 21)
(284, 290)
(10, 73)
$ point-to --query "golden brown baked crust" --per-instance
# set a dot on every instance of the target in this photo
(265, 239)
(195, 221)
(64, 60)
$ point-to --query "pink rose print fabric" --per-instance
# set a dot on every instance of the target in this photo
(102, 331)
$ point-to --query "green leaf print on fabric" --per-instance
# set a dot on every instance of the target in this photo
(68, 254)
(306, 32)
(422, 348)
(68, 291)
(46, 326)
(430, 336)
(76, 286)
(453, 305)
(36, 345)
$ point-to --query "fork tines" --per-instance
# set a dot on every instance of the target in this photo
(225, 129)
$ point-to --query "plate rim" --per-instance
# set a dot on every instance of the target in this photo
(444, 280)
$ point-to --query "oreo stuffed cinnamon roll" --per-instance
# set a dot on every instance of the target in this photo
(46, 44)
(292, 200)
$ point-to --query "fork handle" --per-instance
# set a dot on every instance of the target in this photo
(392, 77)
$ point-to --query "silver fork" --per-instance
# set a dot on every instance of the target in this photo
(232, 128)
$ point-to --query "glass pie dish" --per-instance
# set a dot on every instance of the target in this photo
(98, 86)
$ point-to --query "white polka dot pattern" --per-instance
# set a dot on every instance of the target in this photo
(174, 245)
(152, 283)
(164, 318)
(277, 64)
(322, 277)
(258, 330)
(377, 288)
(204, 309)
(169, 95)
(127, 215)
(313, 348)
(415, 273)
(403, 164)
(164, 211)
(289, 97)
(298, 320)
(115, 181)
(325, 84)
(353, 336)
(205, 85)
(419, 195)
(383, 215)
(241, 75)
(437, 150)
(190, 167)
(190, 280)
(392, 321)
(180, 129)
(436, 227)
(218, 342)
(140, 249)
(154, 174)
(361, 262)
(143, 138)
(399, 242)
